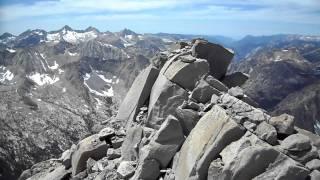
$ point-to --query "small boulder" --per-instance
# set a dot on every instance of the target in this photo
(159, 60)
(165, 97)
(191, 105)
(113, 153)
(116, 142)
(235, 79)
(106, 134)
(203, 92)
(161, 149)
(126, 169)
(216, 83)
(214, 99)
(266, 132)
(186, 74)
(315, 175)
(296, 142)
(149, 169)
(217, 56)
(188, 119)
(304, 156)
(90, 147)
(179, 45)
(249, 126)
(131, 141)
(90, 163)
(284, 124)
(236, 92)
(188, 58)
(313, 164)
(215, 169)
(66, 156)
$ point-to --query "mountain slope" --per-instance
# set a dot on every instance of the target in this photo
(304, 105)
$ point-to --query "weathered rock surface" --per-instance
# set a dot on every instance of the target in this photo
(313, 164)
(161, 149)
(126, 169)
(296, 142)
(235, 79)
(165, 97)
(131, 143)
(250, 157)
(236, 92)
(203, 92)
(186, 74)
(90, 147)
(212, 133)
(267, 132)
(137, 95)
(188, 119)
(283, 123)
(217, 56)
(216, 84)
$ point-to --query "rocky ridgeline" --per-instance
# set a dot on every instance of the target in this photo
(184, 118)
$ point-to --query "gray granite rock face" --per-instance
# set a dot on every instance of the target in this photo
(203, 92)
(235, 79)
(217, 56)
(283, 123)
(165, 97)
(161, 149)
(186, 74)
(90, 147)
(212, 133)
(137, 95)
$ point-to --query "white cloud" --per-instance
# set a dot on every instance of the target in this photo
(270, 10)
(44, 8)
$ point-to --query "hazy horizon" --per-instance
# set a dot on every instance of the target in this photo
(234, 19)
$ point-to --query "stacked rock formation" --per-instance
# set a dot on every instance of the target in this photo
(184, 118)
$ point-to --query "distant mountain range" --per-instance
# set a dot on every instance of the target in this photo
(60, 86)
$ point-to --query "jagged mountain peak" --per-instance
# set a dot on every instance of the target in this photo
(67, 28)
(126, 31)
(6, 35)
(91, 28)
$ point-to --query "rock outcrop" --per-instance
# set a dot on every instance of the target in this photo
(182, 122)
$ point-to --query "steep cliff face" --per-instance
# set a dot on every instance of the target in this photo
(184, 118)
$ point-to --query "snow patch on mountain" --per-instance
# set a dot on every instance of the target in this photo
(11, 50)
(54, 37)
(278, 58)
(6, 75)
(167, 40)
(99, 103)
(72, 54)
(107, 45)
(105, 79)
(60, 71)
(43, 79)
(55, 66)
(109, 92)
(130, 37)
(74, 37)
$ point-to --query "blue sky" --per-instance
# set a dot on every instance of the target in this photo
(234, 18)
